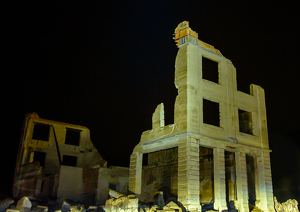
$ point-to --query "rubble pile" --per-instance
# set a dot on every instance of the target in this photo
(120, 203)
(25, 205)
(290, 205)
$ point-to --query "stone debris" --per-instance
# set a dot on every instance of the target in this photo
(153, 208)
(24, 204)
(40, 208)
(122, 203)
(92, 208)
(6, 203)
(115, 194)
(172, 206)
(160, 200)
(78, 208)
(12, 210)
(66, 207)
(291, 205)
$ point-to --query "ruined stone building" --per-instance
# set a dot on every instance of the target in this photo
(59, 160)
(217, 152)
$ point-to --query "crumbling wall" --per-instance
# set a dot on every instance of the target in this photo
(112, 177)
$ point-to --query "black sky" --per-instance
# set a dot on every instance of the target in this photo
(108, 65)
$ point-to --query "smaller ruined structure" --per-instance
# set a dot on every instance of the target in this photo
(59, 160)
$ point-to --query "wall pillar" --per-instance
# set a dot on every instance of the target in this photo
(135, 174)
(188, 173)
(265, 189)
(219, 180)
(241, 182)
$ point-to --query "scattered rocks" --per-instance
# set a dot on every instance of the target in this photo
(172, 206)
(24, 204)
(290, 205)
(129, 203)
(115, 194)
(6, 203)
(40, 208)
(66, 207)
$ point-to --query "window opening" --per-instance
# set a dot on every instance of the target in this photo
(41, 132)
(245, 122)
(210, 70)
(211, 113)
(72, 136)
(69, 160)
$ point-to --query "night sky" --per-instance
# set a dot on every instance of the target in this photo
(108, 65)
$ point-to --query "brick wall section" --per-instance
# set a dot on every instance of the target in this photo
(188, 173)
(219, 179)
(242, 186)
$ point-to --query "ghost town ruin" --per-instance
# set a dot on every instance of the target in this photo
(214, 157)
(55, 156)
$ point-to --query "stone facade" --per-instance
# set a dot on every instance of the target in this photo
(59, 160)
(241, 132)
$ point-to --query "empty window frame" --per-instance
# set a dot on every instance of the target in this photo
(72, 136)
(210, 70)
(211, 112)
(41, 132)
(245, 122)
(40, 156)
(69, 160)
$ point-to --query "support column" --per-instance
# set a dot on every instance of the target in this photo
(219, 180)
(265, 188)
(188, 173)
(135, 174)
(241, 182)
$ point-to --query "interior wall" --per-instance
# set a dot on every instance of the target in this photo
(160, 173)
(206, 167)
